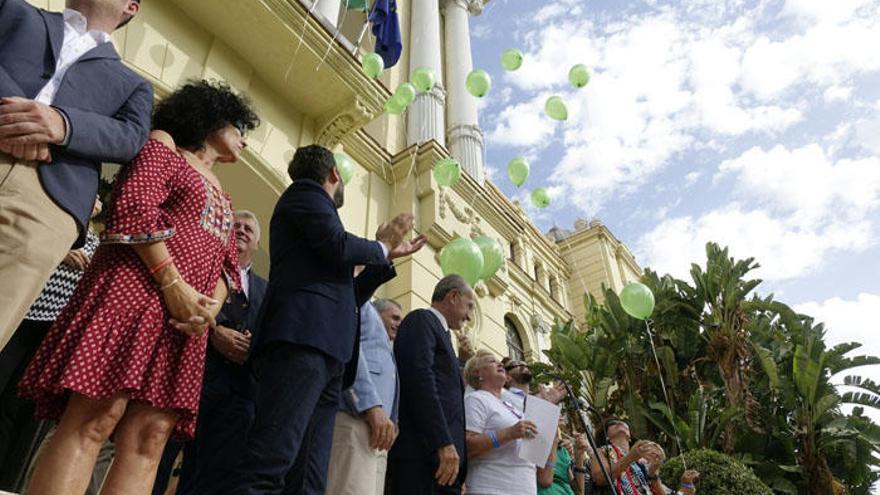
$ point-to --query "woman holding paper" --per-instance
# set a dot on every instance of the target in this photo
(494, 429)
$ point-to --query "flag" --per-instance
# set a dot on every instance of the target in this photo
(386, 29)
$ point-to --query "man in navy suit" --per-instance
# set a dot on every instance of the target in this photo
(429, 456)
(226, 410)
(67, 104)
(308, 327)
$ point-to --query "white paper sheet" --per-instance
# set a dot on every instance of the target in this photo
(545, 415)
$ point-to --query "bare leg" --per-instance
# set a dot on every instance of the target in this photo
(65, 466)
(140, 440)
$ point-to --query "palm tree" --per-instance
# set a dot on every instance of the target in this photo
(723, 289)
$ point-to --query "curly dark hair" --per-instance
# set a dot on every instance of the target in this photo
(199, 108)
(311, 162)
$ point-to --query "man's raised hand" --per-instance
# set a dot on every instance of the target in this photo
(393, 233)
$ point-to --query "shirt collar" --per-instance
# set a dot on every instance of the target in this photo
(517, 391)
(80, 23)
(245, 269)
(441, 318)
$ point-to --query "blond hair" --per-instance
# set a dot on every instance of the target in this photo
(473, 365)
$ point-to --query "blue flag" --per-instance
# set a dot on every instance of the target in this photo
(386, 29)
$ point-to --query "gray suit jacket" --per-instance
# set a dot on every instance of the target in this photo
(107, 105)
(376, 382)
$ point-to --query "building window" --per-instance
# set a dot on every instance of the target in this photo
(554, 288)
(514, 253)
(514, 342)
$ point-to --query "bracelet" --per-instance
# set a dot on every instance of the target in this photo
(169, 284)
(551, 465)
(688, 486)
(494, 439)
(158, 267)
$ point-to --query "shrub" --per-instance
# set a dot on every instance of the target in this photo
(720, 474)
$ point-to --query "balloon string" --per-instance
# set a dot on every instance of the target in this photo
(333, 39)
(301, 36)
(665, 394)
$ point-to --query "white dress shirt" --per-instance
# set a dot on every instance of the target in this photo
(440, 317)
(245, 281)
(77, 42)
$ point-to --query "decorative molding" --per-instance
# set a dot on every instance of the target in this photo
(346, 119)
(473, 7)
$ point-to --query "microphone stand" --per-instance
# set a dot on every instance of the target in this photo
(592, 441)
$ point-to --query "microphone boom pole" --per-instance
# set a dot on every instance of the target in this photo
(592, 441)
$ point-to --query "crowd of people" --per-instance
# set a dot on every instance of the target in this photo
(168, 366)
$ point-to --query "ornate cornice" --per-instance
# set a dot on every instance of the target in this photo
(347, 118)
(473, 7)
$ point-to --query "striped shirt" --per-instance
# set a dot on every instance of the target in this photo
(60, 287)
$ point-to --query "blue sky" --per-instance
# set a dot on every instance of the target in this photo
(755, 124)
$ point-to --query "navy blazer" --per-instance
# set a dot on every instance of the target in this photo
(107, 105)
(238, 313)
(431, 391)
(311, 299)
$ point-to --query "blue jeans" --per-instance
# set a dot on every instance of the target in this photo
(288, 447)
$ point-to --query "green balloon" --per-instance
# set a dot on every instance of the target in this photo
(555, 108)
(406, 92)
(462, 257)
(579, 76)
(424, 79)
(345, 167)
(511, 59)
(373, 65)
(395, 105)
(518, 171)
(478, 83)
(540, 197)
(447, 172)
(637, 300)
(493, 255)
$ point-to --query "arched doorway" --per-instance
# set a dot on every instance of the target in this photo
(514, 341)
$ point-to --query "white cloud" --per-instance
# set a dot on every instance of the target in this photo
(680, 78)
(791, 209)
(691, 178)
(868, 134)
(523, 125)
(836, 94)
(784, 251)
(806, 184)
(850, 321)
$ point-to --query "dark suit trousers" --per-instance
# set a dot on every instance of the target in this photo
(414, 477)
(19, 430)
(288, 447)
(224, 420)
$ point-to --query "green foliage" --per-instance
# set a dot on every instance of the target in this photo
(745, 374)
(720, 474)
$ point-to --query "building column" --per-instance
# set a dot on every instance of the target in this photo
(425, 116)
(463, 131)
(329, 9)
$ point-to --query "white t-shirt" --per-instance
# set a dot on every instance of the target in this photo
(500, 471)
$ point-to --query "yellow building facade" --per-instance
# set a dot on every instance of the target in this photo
(300, 67)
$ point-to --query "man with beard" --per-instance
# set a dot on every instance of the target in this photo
(519, 379)
(309, 327)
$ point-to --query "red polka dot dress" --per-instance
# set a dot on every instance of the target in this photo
(114, 334)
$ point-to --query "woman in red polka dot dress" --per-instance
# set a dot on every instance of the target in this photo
(126, 356)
